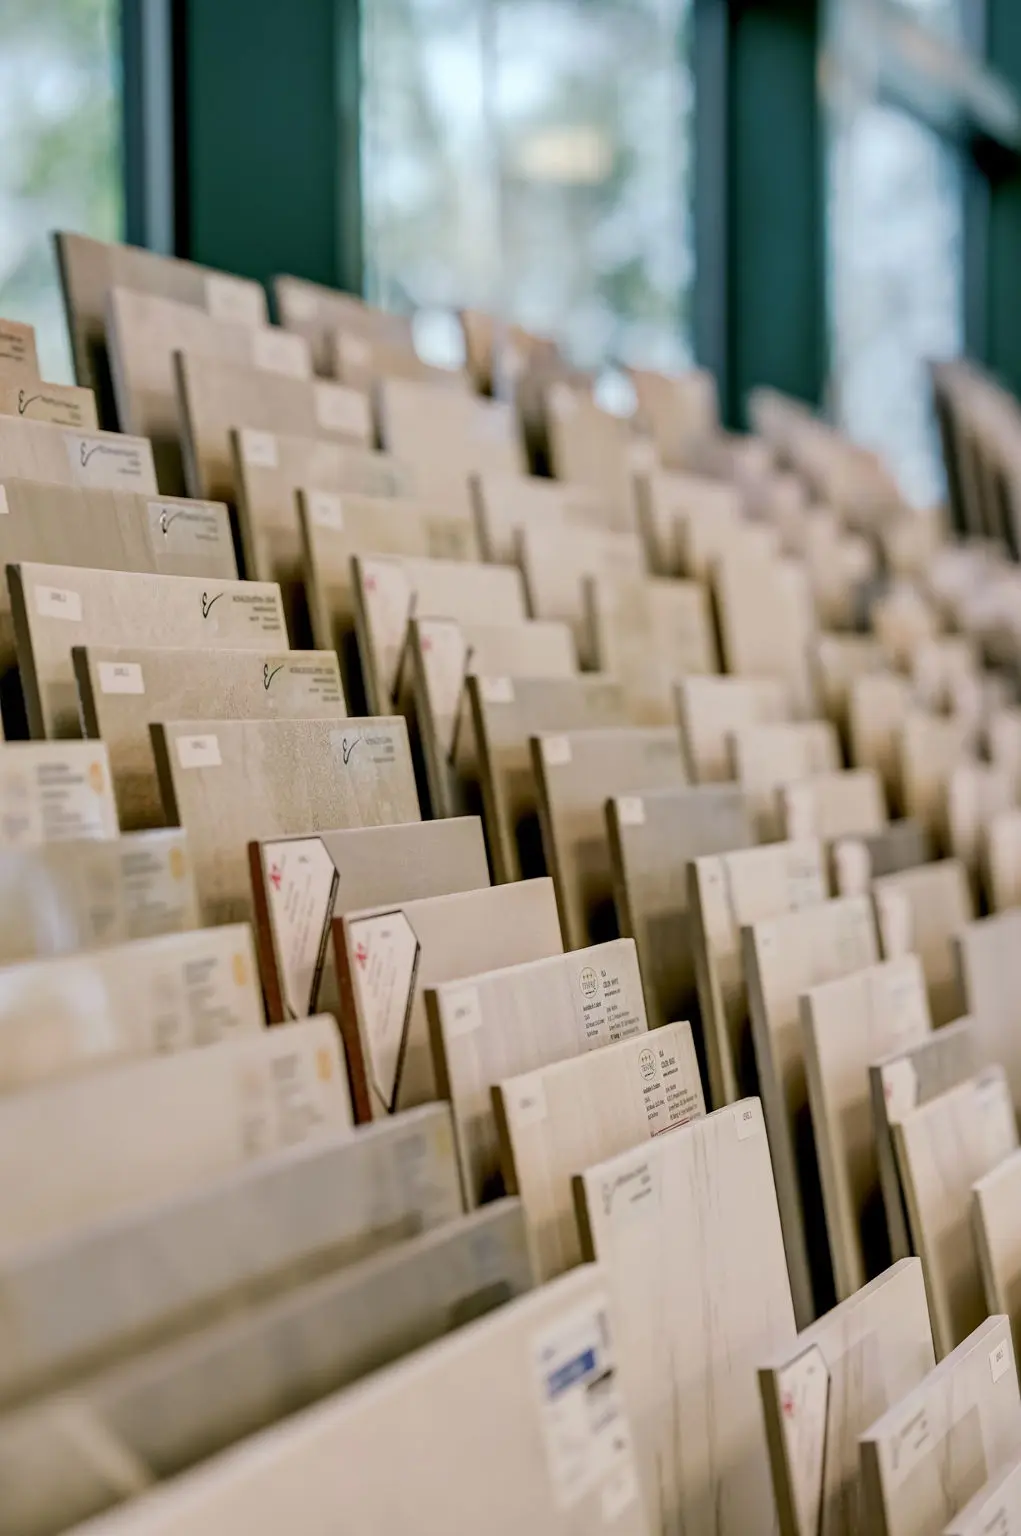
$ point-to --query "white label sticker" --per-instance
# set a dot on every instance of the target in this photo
(277, 351)
(58, 603)
(343, 410)
(556, 751)
(854, 867)
(999, 1359)
(747, 1119)
(301, 883)
(234, 299)
(896, 923)
(900, 1089)
(462, 1012)
(603, 1005)
(669, 1100)
(631, 810)
(803, 1388)
(529, 1102)
(445, 662)
(388, 599)
(258, 448)
(5, 510)
(121, 677)
(326, 510)
(199, 751)
(108, 463)
(384, 955)
(497, 690)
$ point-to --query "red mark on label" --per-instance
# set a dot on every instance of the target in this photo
(361, 954)
(275, 877)
(427, 644)
(370, 583)
(787, 1403)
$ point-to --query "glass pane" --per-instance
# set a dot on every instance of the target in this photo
(60, 162)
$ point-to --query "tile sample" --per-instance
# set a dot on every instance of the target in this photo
(878, 705)
(857, 861)
(52, 791)
(445, 436)
(361, 360)
(711, 708)
(994, 1208)
(989, 965)
(1003, 861)
(101, 461)
(588, 445)
(840, 659)
(18, 355)
(648, 633)
(924, 910)
(505, 504)
(556, 562)
(767, 622)
(976, 793)
(995, 1508)
(685, 520)
(930, 748)
(62, 405)
(764, 757)
(316, 312)
(832, 805)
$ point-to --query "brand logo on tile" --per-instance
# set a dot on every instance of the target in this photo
(324, 1066)
(347, 746)
(209, 602)
(361, 953)
(787, 1405)
(268, 674)
(589, 982)
(167, 519)
(647, 1064)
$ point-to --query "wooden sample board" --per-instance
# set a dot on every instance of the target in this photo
(62, 405)
(994, 1206)
(976, 793)
(681, 1224)
(231, 781)
(556, 562)
(765, 757)
(62, 898)
(506, 504)
(989, 966)
(576, 773)
(931, 1452)
(123, 689)
(164, 1414)
(766, 622)
(995, 1508)
(361, 360)
(89, 1147)
(833, 805)
(18, 355)
(165, 1267)
(446, 435)
(486, 1027)
(569, 1115)
(508, 1468)
(835, 1380)
(931, 747)
(784, 956)
(942, 1148)
(877, 707)
(316, 312)
(857, 861)
(387, 958)
(56, 608)
(649, 632)
(100, 461)
(589, 446)
(847, 1024)
(673, 506)
(300, 884)
(840, 659)
(711, 708)
(52, 791)
(924, 910)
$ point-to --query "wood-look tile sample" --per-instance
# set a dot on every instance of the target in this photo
(653, 838)
(361, 360)
(783, 957)
(995, 1203)
(18, 355)
(924, 1458)
(101, 461)
(942, 1148)
(556, 562)
(703, 541)
(91, 1146)
(124, 689)
(857, 861)
(445, 436)
(163, 1268)
(726, 892)
(819, 1395)
(764, 757)
(230, 782)
(216, 398)
(178, 1405)
(649, 633)
(505, 504)
(508, 1469)
(576, 773)
(62, 405)
(62, 898)
(571, 1114)
(58, 607)
(589, 446)
(989, 965)
(68, 1015)
(678, 408)
(316, 312)
(847, 1024)
(847, 803)
(766, 622)
(52, 791)
(712, 708)
(688, 1231)
(388, 957)
(924, 910)
(669, 502)
(300, 884)
(996, 1508)
(878, 705)
(931, 747)
(484, 1028)
(1003, 861)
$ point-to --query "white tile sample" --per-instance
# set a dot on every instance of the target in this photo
(924, 910)
(989, 966)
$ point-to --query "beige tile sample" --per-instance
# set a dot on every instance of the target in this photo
(230, 782)
(485, 1027)
(446, 435)
(764, 757)
(994, 1206)
(996, 1508)
(783, 957)
(989, 965)
(931, 747)
(62, 405)
(847, 803)
(101, 461)
(924, 910)
(360, 360)
(726, 892)
(568, 1115)
(976, 793)
(557, 561)
(836, 1378)
(51, 791)
(931, 1452)
(588, 445)
(857, 861)
(18, 356)
(316, 312)
(676, 510)
(123, 689)
(878, 705)
(505, 504)
(91, 1146)
(649, 632)
(840, 660)
(711, 708)
(1003, 860)
(764, 611)
(847, 1024)
(387, 959)
(681, 1225)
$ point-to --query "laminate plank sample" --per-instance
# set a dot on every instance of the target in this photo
(230, 782)
(857, 861)
(570, 1114)
(557, 562)
(989, 965)
(930, 748)
(783, 957)
(489, 1026)
(878, 705)
(925, 1457)
(62, 405)
(924, 910)
(766, 621)
(994, 1206)
(52, 791)
(100, 461)
(18, 355)
(315, 312)
(829, 1386)
(829, 806)
(764, 757)
(123, 689)
(89, 1147)
(505, 504)
(711, 708)
(387, 959)
(649, 632)
(848, 1024)
(681, 1224)
(674, 509)
(446, 435)
(995, 1508)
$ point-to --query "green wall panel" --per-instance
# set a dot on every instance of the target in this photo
(1003, 318)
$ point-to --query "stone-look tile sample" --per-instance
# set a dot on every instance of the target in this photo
(486, 1027)
(62, 405)
(166, 1267)
(653, 839)
(784, 956)
(675, 507)
(53, 791)
(68, 1015)
(92, 1146)
(124, 689)
(445, 436)
(589, 446)
(58, 607)
(848, 803)
(711, 708)
(989, 963)
(995, 1202)
(299, 884)
(834, 1381)
(727, 892)
(848, 1024)
(930, 748)
(18, 356)
(764, 757)
(840, 660)
(62, 898)
(996, 1508)
(506, 712)
(216, 398)
(506, 504)
(1003, 861)
(571, 1114)
(100, 461)
(857, 861)
(924, 910)
(171, 1408)
(925, 1457)
(576, 773)
(942, 1148)
(229, 782)
(767, 623)
(878, 705)
(556, 562)
(976, 793)
(316, 312)
(362, 360)
(510, 1468)
(388, 957)
(688, 1231)
(649, 633)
